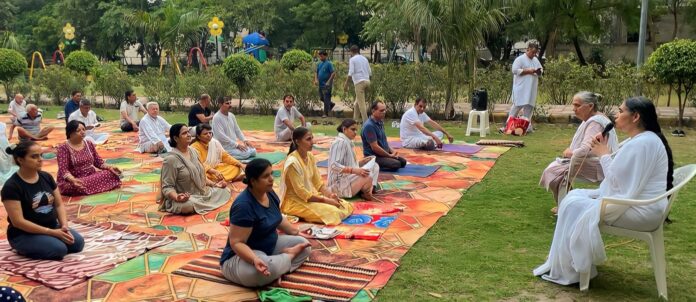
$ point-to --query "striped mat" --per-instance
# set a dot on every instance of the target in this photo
(328, 282)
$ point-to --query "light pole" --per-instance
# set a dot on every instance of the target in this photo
(640, 59)
(343, 40)
(215, 26)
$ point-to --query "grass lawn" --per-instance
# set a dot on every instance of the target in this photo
(487, 246)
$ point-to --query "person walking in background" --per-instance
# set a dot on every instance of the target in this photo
(525, 82)
(324, 78)
(359, 70)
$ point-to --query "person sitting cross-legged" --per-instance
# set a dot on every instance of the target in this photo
(285, 119)
(255, 254)
(302, 192)
(153, 128)
(89, 118)
(28, 125)
(218, 165)
(375, 143)
(227, 132)
(414, 134)
(348, 176)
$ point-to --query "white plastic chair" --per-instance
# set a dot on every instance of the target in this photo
(483, 126)
(655, 239)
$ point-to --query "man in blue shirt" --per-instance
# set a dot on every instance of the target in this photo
(324, 77)
(375, 143)
(73, 104)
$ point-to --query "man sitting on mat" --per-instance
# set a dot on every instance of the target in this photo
(414, 134)
(285, 118)
(375, 143)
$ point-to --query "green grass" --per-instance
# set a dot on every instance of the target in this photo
(487, 246)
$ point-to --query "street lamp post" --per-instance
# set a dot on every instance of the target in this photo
(343, 40)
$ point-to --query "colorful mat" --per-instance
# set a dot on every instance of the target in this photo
(322, 281)
(454, 148)
(106, 245)
(150, 276)
(409, 170)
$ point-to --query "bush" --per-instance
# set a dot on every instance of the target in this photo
(562, 78)
(674, 63)
(296, 58)
(12, 64)
(159, 88)
(618, 83)
(242, 70)
(111, 82)
(299, 83)
(81, 61)
(17, 85)
(395, 85)
(59, 82)
(268, 89)
(497, 80)
(217, 85)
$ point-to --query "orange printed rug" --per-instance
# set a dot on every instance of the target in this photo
(421, 202)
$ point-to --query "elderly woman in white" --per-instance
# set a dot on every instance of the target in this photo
(586, 165)
(348, 177)
(641, 169)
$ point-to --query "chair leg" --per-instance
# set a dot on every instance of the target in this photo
(469, 124)
(484, 124)
(657, 252)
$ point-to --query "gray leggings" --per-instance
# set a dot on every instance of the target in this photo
(244, 273)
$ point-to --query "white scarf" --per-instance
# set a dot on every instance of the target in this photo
(603, 121)
(214, 153)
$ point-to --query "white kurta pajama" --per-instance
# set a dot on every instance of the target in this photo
(411, 136)
(346, 185)
(153, 131)
(638, 170)
(524, 87)
(227, 132)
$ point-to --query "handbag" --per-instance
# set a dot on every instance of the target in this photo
(516, 126)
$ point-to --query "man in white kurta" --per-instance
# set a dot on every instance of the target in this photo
(227, 132)
(153, 131)
(89, 118)
(414, 134)
(525, 81)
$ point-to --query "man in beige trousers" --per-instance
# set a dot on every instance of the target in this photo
(359, 70)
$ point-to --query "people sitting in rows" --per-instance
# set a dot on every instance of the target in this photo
(200, 112)
(17, 107)
(72, 104)
(375, 143)
(641, 169)
(348, 176)
(38, 224)
(88, 117)
(129, 112)
(227, 132)
(302, 192)
(255, 254)
(585, 165)
(81, 171)
(153, 128)
(217, 164)
(185, 188)
(285, 119)
(413, 132)
(7, 165)
(28, 125)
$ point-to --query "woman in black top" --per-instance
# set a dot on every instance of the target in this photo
(38, 223)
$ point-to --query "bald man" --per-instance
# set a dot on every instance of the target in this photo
(29, 125)
(17, 107)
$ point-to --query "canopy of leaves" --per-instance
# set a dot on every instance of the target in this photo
(12, 64)
(81, 61)
(295, 58)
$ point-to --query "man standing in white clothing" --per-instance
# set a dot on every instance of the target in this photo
(89, 118)
(526, 71)
(414, 134)
(359, 70)
(227, 132)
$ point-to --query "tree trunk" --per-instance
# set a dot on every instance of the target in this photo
(544, 44)
(578, 50)
(675, 28)
(652, 33)
(417, 38)
(669, 95)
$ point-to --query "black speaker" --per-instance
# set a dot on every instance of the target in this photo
(479, 99)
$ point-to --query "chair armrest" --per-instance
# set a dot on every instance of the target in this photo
(628, 202)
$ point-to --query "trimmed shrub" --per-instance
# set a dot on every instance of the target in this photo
(59, 82)
(12, 64)
(242, 70)
(296, 58)
(162, 89)
(674, 64)
(111, 82)
(268, 89)
(81, 61)
(562, 78)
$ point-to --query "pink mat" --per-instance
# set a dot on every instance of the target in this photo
(466, 149)
(104, 250)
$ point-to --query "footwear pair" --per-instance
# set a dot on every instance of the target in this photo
(679, 133)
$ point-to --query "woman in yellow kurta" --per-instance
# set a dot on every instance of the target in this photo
(302, 192)
(217, 163)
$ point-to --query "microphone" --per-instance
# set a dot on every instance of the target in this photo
(606, 130)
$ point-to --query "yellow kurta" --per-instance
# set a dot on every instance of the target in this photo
(297, 193)
(228, 165)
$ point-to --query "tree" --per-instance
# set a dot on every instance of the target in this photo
(12, 64)
(81, 61)
(674, 64)
(241, 70)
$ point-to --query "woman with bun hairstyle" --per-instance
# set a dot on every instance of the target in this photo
(348, 176)
(38, 225)
(185, 189)
(255, 254)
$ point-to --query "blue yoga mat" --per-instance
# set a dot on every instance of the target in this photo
(409, 170)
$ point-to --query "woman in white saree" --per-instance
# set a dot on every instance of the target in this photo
(640, 169)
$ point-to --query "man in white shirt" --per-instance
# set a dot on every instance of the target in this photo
(526, 71)
(153, 131)
(227, 132)
(129, 112)
(414, 134)
(89, 118)
(16, 108)
(285, 118)
(359, 70)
